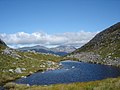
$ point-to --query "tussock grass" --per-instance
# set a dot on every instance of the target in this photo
(107, 84)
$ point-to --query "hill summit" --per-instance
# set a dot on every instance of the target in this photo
(104, 48)
(2, 43)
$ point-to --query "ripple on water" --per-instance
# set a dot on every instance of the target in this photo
(72, 71)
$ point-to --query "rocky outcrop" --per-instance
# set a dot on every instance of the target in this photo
(11, 52)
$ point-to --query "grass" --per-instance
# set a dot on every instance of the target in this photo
(107, 84)
(106, 44)
(30, 61)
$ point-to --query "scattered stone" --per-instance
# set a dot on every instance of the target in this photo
(42, 66)
(11, 70)
(23, 69)
(18, 70)
(28, 84)
(7, 51)
(48, 69)
(31, 72)
(11, 52)
(60, 64)
(23, 77)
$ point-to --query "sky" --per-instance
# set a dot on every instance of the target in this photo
(55, 22)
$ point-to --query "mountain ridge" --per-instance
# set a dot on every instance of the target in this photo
(104, 48)
(60, 50)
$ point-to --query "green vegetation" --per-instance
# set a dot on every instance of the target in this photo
(107, 84)
(105, 44)
(104, 48)
(15, 64)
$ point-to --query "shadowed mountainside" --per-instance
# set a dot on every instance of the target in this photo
(2, 43)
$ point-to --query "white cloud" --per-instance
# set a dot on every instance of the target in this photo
(68, 38)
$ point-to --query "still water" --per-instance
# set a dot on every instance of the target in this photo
(72, 71)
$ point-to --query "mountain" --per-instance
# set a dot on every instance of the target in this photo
(104, 48)
(36, 48)
(64, 48)
(60, 50)
(2, 43)
(39, 49)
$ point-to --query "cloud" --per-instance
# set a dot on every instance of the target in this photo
(68, 38)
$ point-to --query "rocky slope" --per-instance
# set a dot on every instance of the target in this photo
(104, 48)
(15, 64)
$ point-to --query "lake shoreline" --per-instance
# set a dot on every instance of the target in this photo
(46, 69)
(109, 83)
(71, 67)
(27, 75)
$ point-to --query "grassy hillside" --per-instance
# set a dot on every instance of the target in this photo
(107, 84)
(15, 64)
(103, 48)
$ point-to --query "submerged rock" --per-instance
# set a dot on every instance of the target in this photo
(73, 66)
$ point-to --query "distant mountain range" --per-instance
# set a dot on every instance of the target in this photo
(60, 50)
(104, 48)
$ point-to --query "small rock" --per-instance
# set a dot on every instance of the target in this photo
(18, 70)
(42, 66)
(60, 64)
(23, 76)
(28, 85)
(11, 70)
(31, 72)
(23, 69)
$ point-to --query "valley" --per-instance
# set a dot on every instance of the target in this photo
(103, 49)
